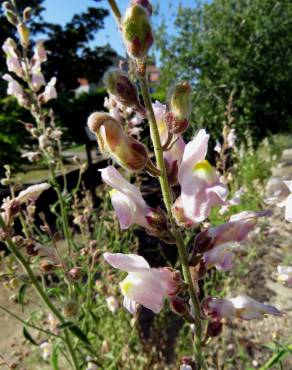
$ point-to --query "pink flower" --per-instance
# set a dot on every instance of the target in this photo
(50, 90)
(200, 185)
(234, 201)
(284, 275)
(287, 203)
(12, 57)
(37, 77)
(221, 257)
(112, 304)
(40, 53)
(236, 230)
(144, 285)
(173, 158)
(126, 199)
(242, 307)
(32, 192)
(159, 112)
(15, 89)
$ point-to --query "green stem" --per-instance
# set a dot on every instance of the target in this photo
(167, 198)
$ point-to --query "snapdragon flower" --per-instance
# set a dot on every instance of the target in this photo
(144, 285)
(32, 192)
(12, 57)
(242, 307)
(50, 91)
(235, 230)
(200, 185)
(221, 257)
(15, 89)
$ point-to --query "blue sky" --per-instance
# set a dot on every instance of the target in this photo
(61, 11)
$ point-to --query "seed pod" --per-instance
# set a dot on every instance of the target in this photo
(113, 141)
(137, 31)
(118, 84)
(179, 108)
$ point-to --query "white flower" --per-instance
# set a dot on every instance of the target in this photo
(112, 304)
(284, 274)
(46, 347)
(32, 192)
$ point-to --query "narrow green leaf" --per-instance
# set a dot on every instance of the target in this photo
(79, 333)
(21, 294)
(54, 359)
(27, 336)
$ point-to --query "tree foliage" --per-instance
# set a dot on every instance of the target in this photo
(238, 47)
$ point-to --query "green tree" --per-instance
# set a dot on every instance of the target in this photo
(241, 47)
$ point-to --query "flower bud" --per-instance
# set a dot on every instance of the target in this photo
(27, 14)
(179, 108)
(11, 17)
(214, 328)
(145, 4)
(137, 31)
(179, 306)
(75, 273)
(158, 226)
(47, 266)
(70, 308)
(23, 34)
(124, 90)
(113, 141)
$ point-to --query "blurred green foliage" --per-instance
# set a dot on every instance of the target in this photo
(238, 47)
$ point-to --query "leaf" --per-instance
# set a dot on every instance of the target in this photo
(54, 359)
(79, 333)
(75, 330)
(27, 336)
(21, 294)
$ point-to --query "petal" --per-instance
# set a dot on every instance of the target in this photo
(289, 185)
(288, 209)
(126, 262)
(113, 178)
(145, 289)
(195, 151)
(130, 305)
(124, 208)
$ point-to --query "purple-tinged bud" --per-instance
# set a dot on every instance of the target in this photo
(177, 119)
(145, 4)
(158, 225)
(113, 141)
(137, 31)
(47, 266)
(23, 34)
(118, 84)
(75, 273)
(70, 308)
(27, 14)
(214, 328)
(179, 306)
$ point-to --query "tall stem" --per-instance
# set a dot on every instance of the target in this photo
(167, 198)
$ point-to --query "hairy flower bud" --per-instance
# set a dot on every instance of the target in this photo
(179, 108)
(137, 31)
(158, 226)
(23, 34)
(47, 266)
(27, 14)
(179, 306)
(113, 141)
(125, 91)
(11, 17)
(145, 4)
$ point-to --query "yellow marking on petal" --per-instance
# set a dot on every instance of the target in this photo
(126, 286)
(113, 192)
(161, 127)
(205, 171)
